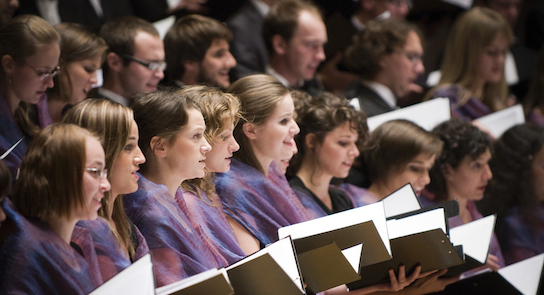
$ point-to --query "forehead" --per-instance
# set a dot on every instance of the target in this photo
(218, 44)
(94, 153)
(146, 44)
(413, 42)
(310, 26)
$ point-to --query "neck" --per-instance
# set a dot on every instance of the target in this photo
(11, 100)
(157, 173)
(380, 189)
(316, 181)
(55, 108)
(63, 227)
(477, 89)
(283, 69)
(114, 85)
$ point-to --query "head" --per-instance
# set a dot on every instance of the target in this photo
(197, 51)
(30, 50)
(509, 9)
(135, 61)
(82, 53)
(475, 54)
(462, 168)
(5, 187)
(331, 134)
(399, 9)
(518, 170)
(400, 152)
(171, 133)
(294, 34)
(389, 52)
(267, 131)
(61, 176)
(7, 9)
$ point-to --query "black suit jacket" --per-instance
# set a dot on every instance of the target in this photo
(371, 102)
(248, 45)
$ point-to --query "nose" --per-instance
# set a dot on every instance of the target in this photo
(104, 184)
(294, 129)
(320, 53)
(231, 61)
(49, 82)
(234, 146)
(93, 78)
(206, 147)
(425, 178)
(487, 173)
(420, 68)
(139, 158)
(354, 151)
(159, 73)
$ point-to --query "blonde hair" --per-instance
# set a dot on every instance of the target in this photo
(112, 122)
(471, 33)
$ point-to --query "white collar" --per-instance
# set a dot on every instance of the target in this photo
(270, 71)
(383, 91)
(113, 96)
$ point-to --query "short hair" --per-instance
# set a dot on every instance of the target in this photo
(471, 33)
(378, 39)
(259, 95)
(120, 33)
(50, 183)
(112, 122)
(319, 116)
(283, 20)
(161, 113)
(78, 43)
(394, 144)
(218, 109)
(512, 183)
(189, 39)
(461, 139)
(21, 38)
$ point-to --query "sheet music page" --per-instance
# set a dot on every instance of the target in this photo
(135, 279)
(475, 237)
(353, 255)
(373, 212)
(524, 275)
(502, 120)
(192, 280)
(417, 223)
(401, 201)
(426, 114)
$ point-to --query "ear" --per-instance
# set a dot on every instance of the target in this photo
(115, 62)
(250, 130)
(191, 73)
(8, 64)
(447, 171)
(279, 44)
(310, 141)
(158, 146)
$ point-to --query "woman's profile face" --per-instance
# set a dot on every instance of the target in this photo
(492, 58)
(274, 139)
(224, 145)
(123, 177)
(416, 172)
(33, 76)
(95, 183)
(338, 150)
(82, 75)
(469, 180)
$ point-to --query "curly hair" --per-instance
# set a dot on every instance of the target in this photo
(512, 183)
(320, 116)
(461, 139)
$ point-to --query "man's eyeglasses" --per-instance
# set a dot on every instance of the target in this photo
(97, 172)
(44, 75)
(150, 65)
(413, 57)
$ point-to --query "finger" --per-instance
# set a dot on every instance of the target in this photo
(394, 282)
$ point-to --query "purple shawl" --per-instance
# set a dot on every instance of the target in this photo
(494, 248)
(260, 204)
(178, 251)
(471, 110)
(35, 260)
(112, 258)
(10, 133)
(359, 196)
(211, 223)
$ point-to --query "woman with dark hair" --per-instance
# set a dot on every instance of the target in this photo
(118, 242)
(29, 50)
(255, 193)
(61, 181)
(516, 192)
(462, 173)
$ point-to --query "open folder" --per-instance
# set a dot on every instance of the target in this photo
(502, 120)
(524, 277)
(136, 279)
(416, 239)
(213, 281)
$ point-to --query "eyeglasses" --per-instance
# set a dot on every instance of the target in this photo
(44, 75)
(150, 65)
(413, 57)
(97, 172)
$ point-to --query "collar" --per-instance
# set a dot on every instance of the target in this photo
(113, 96)
(270, 71)
(383, 91)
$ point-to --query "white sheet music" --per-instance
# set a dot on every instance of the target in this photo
(353, 255)
(502, 120)
(401, 201)
(475, 237)
(420, 222)
(426, 114)
(136, 279)
(373, 212)
(524, 275)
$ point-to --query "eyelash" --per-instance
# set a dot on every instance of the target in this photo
(197, 136)
(129, 147)
(343, 143)
(224, 137)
